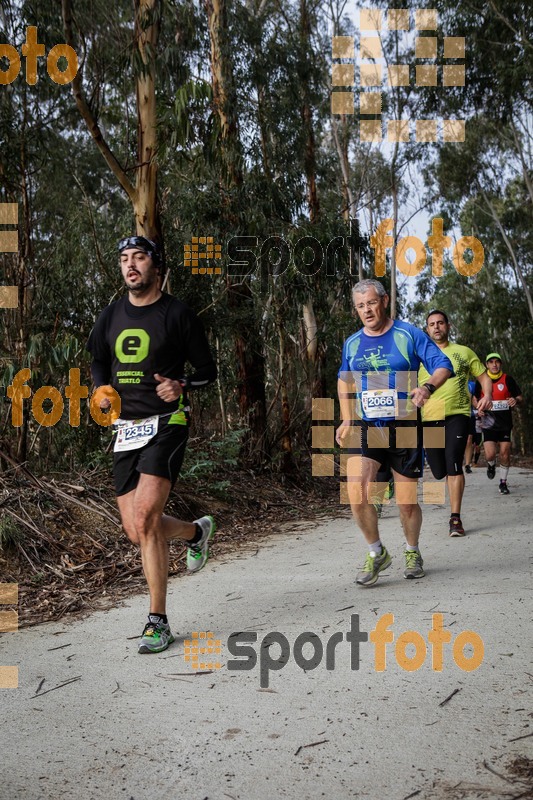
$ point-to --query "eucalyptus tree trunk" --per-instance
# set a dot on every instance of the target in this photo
(288, 464)
(248, 344)
(315, 354)
(145, 205)
(307, 119)
(142, 193)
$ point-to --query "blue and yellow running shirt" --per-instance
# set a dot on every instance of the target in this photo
(384, 370)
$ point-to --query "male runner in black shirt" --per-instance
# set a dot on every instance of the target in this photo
(140, 344)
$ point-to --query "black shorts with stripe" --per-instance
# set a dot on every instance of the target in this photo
(162, 456)
(491, 435)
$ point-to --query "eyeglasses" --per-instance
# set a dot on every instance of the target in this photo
(137, 241)
(370, 304)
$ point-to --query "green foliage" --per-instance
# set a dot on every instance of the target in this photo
(279, 64)
(207, 464)
(10, 532)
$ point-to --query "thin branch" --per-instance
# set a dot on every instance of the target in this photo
(87, 114)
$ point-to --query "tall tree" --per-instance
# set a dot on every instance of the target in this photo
(248, 345)
(142, 192)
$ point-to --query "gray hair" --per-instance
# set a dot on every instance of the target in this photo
(366, 285)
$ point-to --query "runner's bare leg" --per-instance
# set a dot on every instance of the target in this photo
(410, 511)
(364, 513)
(142, 517)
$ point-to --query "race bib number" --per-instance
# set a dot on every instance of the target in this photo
(135, 433)
(500, 405)
(380, 403)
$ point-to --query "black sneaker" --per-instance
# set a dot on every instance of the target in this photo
(456, 527)
(504, 489)
(491, 471)
(468, 469)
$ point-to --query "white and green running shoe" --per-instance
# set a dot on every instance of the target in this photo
(372, 567)
(414, 565)
(197, 554)
(156, 638)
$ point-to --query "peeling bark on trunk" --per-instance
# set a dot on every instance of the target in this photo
(223, 91)
(310, 330)
(145, 203)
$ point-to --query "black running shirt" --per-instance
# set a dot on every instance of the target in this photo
(130, 344)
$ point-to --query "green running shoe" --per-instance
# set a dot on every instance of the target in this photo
(413, 564)
(156, 638)
(197, 554)
(373, 566)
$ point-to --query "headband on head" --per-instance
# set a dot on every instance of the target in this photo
(144, 244)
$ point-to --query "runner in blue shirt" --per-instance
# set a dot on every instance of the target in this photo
(379, 398)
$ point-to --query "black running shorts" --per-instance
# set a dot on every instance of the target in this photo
(497, 436)
(448, 460)
(162, 456)
(477, 438)
(407, 461)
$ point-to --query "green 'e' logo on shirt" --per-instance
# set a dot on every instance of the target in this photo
(132, 346)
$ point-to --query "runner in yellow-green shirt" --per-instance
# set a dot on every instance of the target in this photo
(449, 407)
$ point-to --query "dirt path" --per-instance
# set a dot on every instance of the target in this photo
(93, 720)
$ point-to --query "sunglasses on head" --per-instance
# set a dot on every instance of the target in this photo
(138, 241)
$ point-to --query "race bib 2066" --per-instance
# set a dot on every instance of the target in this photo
(380, 403)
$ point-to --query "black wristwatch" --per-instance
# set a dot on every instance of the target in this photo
(430, 388)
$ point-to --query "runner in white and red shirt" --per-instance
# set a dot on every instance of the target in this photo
(506, 395)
